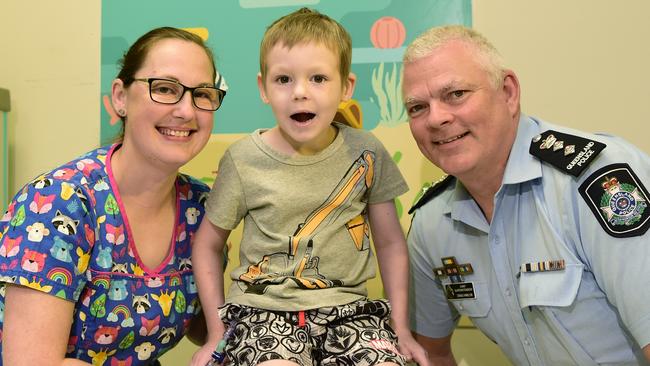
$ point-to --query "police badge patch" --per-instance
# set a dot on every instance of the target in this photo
(618, 199)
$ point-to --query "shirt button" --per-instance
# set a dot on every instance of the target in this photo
(527, 342)
(496, 240)
(508, 292)
(460, 306)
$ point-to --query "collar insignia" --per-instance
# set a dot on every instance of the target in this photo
(429, 191)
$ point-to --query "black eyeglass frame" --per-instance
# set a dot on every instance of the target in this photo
(220, 92)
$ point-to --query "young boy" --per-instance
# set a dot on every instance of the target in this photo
(307, 190)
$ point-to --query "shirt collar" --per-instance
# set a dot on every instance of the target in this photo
(462, 207)
(522, 166)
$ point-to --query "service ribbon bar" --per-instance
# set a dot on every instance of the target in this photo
(544, 266)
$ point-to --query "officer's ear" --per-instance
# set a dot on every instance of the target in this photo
(511, 92)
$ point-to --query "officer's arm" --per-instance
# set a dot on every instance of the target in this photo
(646, 351)
(439, 349)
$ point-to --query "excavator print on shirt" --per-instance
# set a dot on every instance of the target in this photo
(303, 270)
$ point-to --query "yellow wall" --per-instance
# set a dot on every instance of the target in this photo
(582, 63)
(49, 61)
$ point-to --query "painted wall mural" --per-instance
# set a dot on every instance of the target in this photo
(380, 30)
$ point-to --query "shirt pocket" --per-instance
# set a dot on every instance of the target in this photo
(477, 307)
(551, 288)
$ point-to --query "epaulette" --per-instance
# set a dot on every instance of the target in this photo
(435, 189)
(569, 153)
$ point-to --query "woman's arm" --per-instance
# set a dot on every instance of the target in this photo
(36, 328)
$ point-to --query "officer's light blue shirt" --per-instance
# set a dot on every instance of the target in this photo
(594, 311)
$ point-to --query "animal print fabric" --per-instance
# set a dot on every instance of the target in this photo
(353, 334)
(66, 234)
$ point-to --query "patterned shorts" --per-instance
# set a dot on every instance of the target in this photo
(353, 334)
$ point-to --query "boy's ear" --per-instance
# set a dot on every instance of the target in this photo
(118, 95)
(260, 86)
(348, 87)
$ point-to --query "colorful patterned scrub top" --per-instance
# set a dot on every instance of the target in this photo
(66, 234)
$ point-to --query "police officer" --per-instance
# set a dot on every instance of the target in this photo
(538, 233)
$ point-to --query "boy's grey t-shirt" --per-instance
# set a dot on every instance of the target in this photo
(305, 242)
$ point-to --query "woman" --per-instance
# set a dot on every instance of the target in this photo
(94, 255)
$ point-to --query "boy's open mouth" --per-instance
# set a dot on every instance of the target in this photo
(303, 116)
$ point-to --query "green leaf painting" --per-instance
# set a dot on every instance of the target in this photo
(19, 217)
(127, 341)
(399, 208)
(98, 307)
(180, 303)
(397, 157)
(111, 206)
(388, 91)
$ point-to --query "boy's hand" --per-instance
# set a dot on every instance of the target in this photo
(411, 349)
(203, 356)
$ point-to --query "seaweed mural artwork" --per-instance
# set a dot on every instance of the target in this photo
(388, 91)
(399, 207)
(388, 34)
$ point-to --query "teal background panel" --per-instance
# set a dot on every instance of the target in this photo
(235, 29)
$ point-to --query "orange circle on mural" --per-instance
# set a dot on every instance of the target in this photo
(387, 32)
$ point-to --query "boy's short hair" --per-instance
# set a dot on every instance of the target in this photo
(303, 26)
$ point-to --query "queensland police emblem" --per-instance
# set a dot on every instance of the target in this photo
(618, 199)
(622, 204)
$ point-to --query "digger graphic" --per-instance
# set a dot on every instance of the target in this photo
(304, 270)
